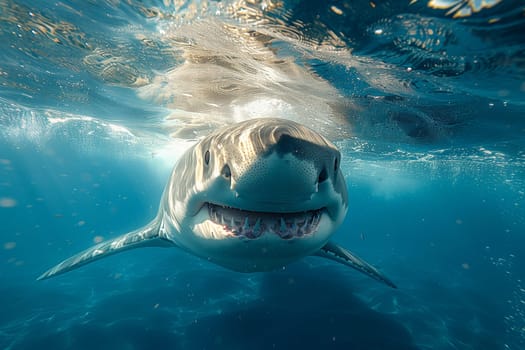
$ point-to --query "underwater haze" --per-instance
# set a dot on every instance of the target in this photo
(424, 98)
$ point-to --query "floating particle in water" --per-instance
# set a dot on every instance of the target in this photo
(336, 10)
(6, 202)
(98, 239)
(81, 223)
(459, 221)
(9, 245)
(465, 266)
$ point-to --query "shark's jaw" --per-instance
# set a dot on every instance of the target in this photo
(251, 241)
(238, 223)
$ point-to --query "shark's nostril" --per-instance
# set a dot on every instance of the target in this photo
(226, 172)
(323, 175)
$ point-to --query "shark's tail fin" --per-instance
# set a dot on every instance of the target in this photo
(147, 236)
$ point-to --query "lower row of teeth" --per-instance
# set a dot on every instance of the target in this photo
(280, 227)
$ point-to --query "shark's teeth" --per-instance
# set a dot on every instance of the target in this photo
(257, 230)
(252, 225)
(295, 228)
(282, 228)
(257, 226)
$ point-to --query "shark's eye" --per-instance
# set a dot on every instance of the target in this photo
(207, 158)
(226, 172)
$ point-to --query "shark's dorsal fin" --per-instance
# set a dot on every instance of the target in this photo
(334, 252)
(148, 236)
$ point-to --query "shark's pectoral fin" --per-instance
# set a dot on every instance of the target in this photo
(147, 236)
(334, 252)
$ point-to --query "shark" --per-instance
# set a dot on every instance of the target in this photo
(252, 196)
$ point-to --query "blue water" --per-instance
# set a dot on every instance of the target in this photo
(425, 99)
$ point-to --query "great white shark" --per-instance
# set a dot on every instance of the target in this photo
(253, 196)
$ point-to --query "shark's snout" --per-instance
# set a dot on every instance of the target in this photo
(290, 171)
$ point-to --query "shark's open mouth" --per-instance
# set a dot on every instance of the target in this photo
(252, 224)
